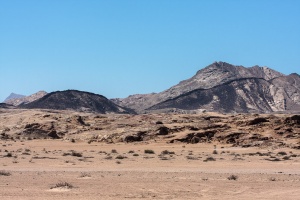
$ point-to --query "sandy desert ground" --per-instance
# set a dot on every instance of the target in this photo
(76, 166)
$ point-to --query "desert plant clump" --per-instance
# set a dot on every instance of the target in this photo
(209, 159)
(149, 151)
(131, 151)
(191, 157)
(9, 154)
(118, 162)
(164, 158)
(120, 157)
(85, 174)
(4, 173)
(135, 154)
(232, 177)
(282, 153)
(215, 152)
(76, 154)
(102, 152)
(167, 152)
(114, 151)
(286, 157)
(63, 184)
(272, 179)
(108, 157)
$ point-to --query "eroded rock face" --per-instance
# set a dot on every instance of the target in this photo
(223, 87)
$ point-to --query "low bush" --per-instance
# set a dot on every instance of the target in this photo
(149, 151)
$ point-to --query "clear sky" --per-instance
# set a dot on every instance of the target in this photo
(122, 47)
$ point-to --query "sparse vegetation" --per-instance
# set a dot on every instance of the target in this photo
(77, 154)
(164, 158)
(85, 174)
(114, 151)
(232, 177)
(102, 152)
(149, 151)
(209, 159)
(108, 157)
(120, 157)
(286, 157)
(4, 173)
(73, 153)
(65, 185)
(282, 153)
(9, 154)
(165, 152)
(192, 158)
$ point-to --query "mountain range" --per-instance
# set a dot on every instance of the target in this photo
(21, 99)
(223, 87)
(219, 87)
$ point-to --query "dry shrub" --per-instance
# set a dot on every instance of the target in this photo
(63, 184)
(4, 173)
(232, 177)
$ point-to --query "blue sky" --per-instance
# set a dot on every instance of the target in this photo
(117, 48)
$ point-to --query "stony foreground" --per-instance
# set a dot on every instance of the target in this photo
(67, 155)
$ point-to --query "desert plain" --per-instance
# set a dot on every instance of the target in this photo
(48, 154)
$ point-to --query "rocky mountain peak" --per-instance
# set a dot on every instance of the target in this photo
(13, 96)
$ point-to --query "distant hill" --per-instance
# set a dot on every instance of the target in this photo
(77, 100)
(223, 87)
(13, 96)
(26, 99)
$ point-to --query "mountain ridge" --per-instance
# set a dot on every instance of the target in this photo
(217, 74)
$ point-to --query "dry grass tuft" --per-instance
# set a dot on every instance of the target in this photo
(63, 184)
(4, 173)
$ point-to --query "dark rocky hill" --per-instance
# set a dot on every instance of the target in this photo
(223, 87)
(77, 100)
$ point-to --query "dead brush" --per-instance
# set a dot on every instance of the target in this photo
(232, 177)
(63, 184)
(4, 173)
(84, 174)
